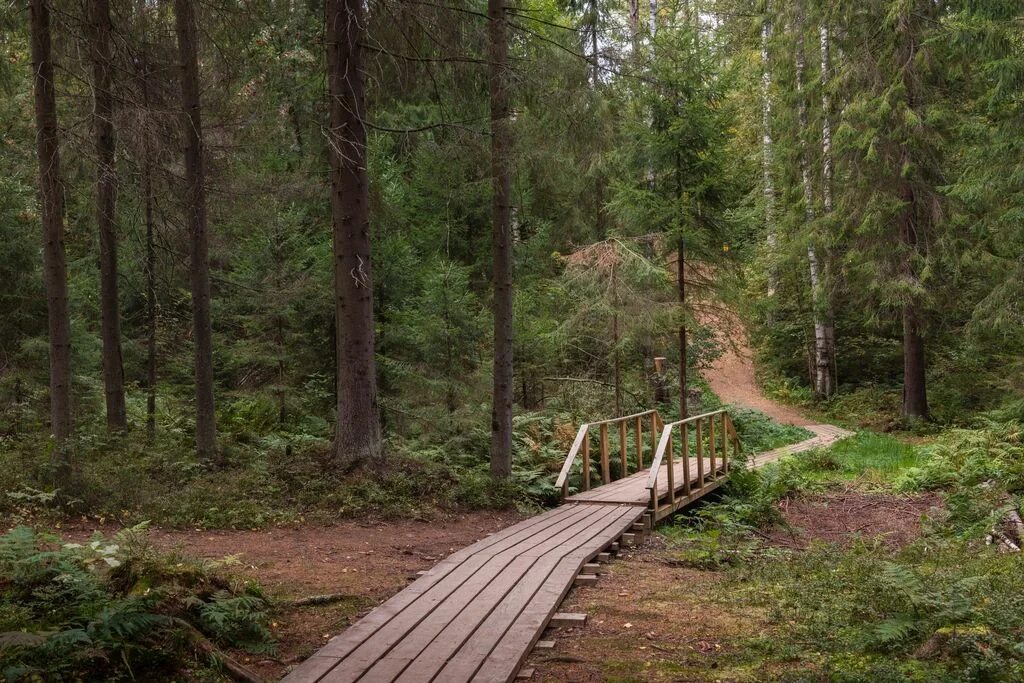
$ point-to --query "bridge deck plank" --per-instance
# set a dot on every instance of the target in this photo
(462, 607)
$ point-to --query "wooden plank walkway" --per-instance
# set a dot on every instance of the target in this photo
(824, 436)
(633, 489)
(476, 615)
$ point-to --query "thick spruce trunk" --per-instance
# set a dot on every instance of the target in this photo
(195, 208)
(357, 435)
(106, 204)
(501, 216)
(51, 193)
(915, 394)
(148, 201)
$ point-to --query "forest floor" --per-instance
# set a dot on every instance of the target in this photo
(364, 562)
(656, 617)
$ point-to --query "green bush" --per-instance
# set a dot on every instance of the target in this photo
(116, 609)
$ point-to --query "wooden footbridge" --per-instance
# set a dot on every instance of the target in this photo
(476, 615)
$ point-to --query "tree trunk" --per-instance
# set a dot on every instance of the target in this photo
(593, 43)
(148, 202)
(827, 167)
(681, 276)
(358, 435)
(766, 140)
(915, 395)
(634, 23)
(823, 384)
(147, 190)
(617, 362)
(54, 267)
(195, 207)
(106, 203)
(501, 177)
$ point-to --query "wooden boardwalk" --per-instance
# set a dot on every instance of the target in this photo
(476, 615)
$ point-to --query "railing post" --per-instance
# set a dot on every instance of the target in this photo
(686, 458)
(654, 502)
(654, 434)
(711, 446)
(586, 461)
(639, 436)
(623, 449)
(700, 454)
(725, 443)
(671, 470)
(605, 470)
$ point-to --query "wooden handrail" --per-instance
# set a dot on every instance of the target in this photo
(577, 442)
(582, 434)
(666, 436)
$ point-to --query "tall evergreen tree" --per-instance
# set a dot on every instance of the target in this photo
(106, 214)
(195, 209)
(502, 244)
(357, 437)
(51, 192)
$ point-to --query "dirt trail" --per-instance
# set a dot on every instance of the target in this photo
(733, 379)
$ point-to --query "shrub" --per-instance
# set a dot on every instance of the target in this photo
(113, 609)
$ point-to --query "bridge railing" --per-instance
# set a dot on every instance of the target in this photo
(706, 446)
(581, 447)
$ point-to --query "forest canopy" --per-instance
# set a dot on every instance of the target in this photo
(317, 237)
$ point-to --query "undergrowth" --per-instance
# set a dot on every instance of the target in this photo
(946, 607)
(116, 609)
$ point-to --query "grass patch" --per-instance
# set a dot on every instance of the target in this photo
(946, 607)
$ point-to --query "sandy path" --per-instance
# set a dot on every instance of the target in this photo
(732, 378)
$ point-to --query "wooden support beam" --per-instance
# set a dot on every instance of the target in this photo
(655, 429)
(586, 462)
(585, 580)
(628, 539)
(567, 619)
(544, 645)
(524, 675)
(639, 436)
(711, 446)
(605, 470)
(623, 450)
(604, 557)
(684, 430)
(591, 568)
(671, 471)
(700, 454)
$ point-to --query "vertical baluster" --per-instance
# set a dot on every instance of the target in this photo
(671, 470)
(605, 470)
(700, 454)
(639, 436)
(711, 446)
(586, 461)
(623, 450)
(686, 458)
(725, 443)
(655, 430)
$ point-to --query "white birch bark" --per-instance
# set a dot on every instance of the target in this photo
(822, 360)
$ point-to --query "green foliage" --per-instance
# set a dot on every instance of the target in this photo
(759, 433)
(113, 610)
(935, 612)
